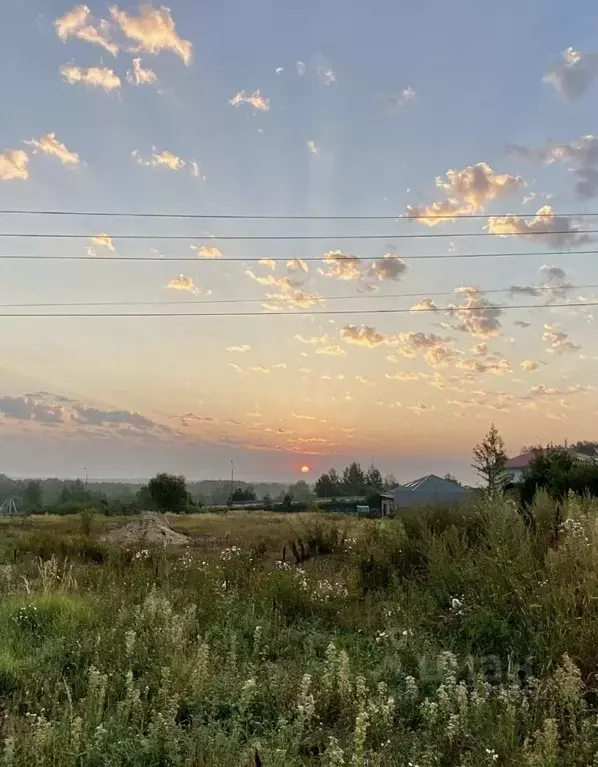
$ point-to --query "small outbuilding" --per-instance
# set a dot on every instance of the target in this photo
(425, 491)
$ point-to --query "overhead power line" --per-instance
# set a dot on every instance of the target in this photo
(257, 217)
(310, 313)
(218, 301)
(289, 237)
(256, 261)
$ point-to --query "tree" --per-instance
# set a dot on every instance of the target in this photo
(168, 493)
(390, 482)
(354, 480)
(586, 448)
(374, 481)
(244, 495)
(558, 471)
(451, 478)
(33, 495)
(490, 461)
(287, 502)
(73, 492)
(300, 491)
(328, 485)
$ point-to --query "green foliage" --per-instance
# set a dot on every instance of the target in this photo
(459, 637)
(558, 472)
(167, 493)
(244, 495)
(490, 461)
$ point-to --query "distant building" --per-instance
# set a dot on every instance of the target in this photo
(425, 491)
(517, 465)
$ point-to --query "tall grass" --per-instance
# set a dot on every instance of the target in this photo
(465, 637)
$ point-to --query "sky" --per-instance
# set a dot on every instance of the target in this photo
(467, 130)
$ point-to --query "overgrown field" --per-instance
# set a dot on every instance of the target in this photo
(467, 639)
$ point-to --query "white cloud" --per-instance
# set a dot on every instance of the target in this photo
(436, 350)
(467, 191)
(100, 241)
(297, 264)
(558, 341)
(206, 252)
(95, 77)
(153, 30)
(140, 76)
(290, 293)
(269, 263)
(73, 24)
(325, 74)
(573, 74)
(50, 145)
(363, 335)
(403, 98)
(425, 305)
(183, 283)
(313, 147)
(479, 367)
(279, 70)
(302, 417)
(547, 228)
(255, 99)
(301, 68)
(259, 369)
(342, 267)
(241, 349)
(163, 159)
(13, 165)
(477, 315)
(529, 366)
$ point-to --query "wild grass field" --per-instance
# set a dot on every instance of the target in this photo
(462, 637)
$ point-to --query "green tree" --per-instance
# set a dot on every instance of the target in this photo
(300, 491)
(390, 482)
(354, 480)
(490, 461)
(73, 492)
(328, 485)
(32, 495)
(168, 493)
(451, 478)
(374, 480)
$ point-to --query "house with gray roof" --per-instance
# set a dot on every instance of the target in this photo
(425, 491)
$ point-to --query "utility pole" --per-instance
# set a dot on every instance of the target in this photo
(85, 470)
(232, 480)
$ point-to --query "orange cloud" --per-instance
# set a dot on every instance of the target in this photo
(154, 31)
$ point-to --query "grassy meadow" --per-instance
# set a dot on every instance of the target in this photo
(461, 637)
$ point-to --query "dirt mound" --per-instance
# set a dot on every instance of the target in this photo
(149, 529)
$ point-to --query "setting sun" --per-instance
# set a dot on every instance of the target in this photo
(305, 469)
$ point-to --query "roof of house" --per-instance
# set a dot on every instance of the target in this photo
(432, 484)
(520, 461)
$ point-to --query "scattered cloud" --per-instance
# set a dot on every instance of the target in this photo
(140, 76)
(467, 191)
(76, 23)
(313, 147)
(302, 417)
(402, 98)
(236, 367)
(255, 99)
(279, 70)
(476, 315)
(204, 251)
(420, 408)
(94, 416)
(269, 263)
(425, 305)
(290, 293)
(301, 68)
(163, 159)
(153, 30)
(242, 348)
(297, 264)
(95, 77)
(13, 165)
(573, 74)
(522, 324)
(325, 74)
(548, 391)
(554, 231)
(555, 287)
(558, 341)
(362, 335)
(100, 241)
(331, 350)
(50, 145)
(436, 350)
(480, 367)
(529, 366)
(390, 267)
(581, 156)
(259, 369)
(183, 283)
(342, 267)
(31, 409)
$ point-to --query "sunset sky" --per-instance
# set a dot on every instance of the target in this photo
(480, 113)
